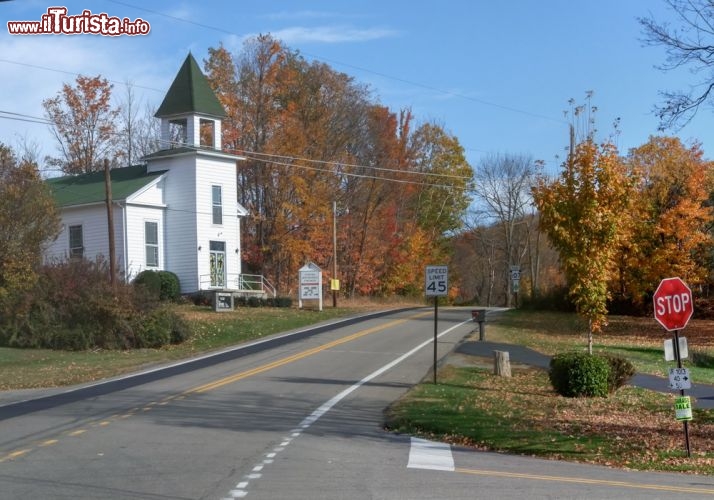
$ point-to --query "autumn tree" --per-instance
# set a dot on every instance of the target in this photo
(28, 219)
(580, 212)
(84, 124)
(687, 44)
(670, 217)
(220, 69)
(312, 136)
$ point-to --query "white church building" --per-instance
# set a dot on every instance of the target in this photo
(177, 212)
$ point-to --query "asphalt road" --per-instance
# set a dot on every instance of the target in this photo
(298, 417)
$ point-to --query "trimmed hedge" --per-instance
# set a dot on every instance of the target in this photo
(159, 285)
(576, 374)
(263, 302)
(621, 371)
(170, 286)
(150, 282)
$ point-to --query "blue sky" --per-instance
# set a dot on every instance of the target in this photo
(498, 75)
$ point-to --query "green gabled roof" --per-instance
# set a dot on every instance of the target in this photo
(89, 188)
(190, 93)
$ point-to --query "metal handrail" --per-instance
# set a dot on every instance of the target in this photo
(248, 282)
(242, 283)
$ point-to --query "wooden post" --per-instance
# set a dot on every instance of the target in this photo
(501, 364)
(110, 225)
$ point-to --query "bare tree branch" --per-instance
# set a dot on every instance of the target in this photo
(690, 45)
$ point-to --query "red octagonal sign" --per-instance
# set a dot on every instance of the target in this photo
(673, 305)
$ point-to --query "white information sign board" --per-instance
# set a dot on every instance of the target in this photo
(679, 379)
(310, 284)
(515, 273)
(669, 349)
(436, 283)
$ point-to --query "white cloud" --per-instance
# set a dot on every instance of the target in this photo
(323, 34)
(332, 34)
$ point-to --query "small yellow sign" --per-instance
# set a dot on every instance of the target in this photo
(334, 285)
(683, 408)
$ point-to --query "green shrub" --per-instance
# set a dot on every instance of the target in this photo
(576, 374)
(180, 329)
(255, 302)
(283, 302)
(201, 298)
(621, 371)
(170, 286)
(153, 330)
(150, 282)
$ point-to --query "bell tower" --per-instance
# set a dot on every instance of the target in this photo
(190, 113)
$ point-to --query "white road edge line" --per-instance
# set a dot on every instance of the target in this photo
(327, 406)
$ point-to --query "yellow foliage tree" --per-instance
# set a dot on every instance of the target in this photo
(581, 212)
(28, 218)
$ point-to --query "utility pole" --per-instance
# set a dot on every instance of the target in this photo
(110, 225)
(334, 252)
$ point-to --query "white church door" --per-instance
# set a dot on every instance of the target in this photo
(218, 263)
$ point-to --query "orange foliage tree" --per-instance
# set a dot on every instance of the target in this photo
(84, 124)
(669, 218)
(312, 136)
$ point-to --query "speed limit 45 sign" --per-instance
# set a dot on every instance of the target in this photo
(436, 281)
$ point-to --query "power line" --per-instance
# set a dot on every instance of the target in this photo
(73, 73)
(271, 159)
(351, 165)
(23, 118)
(361, 176)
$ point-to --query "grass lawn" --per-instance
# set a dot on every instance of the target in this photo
(634, 428)
(640, 340)
(33, 368)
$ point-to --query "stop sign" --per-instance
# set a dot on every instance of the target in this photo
(673, 305)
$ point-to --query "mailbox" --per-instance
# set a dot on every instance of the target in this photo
(479, 315)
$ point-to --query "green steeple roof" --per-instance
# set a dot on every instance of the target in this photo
(190, 93)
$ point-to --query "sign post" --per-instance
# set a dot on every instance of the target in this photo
(436, 284)
(515, 281)
(673, 308)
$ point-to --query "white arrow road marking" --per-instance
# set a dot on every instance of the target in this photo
(425, 454)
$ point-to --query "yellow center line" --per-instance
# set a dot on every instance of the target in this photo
(14, 454)
(224, 381)
(582, 480)
(296, 357)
